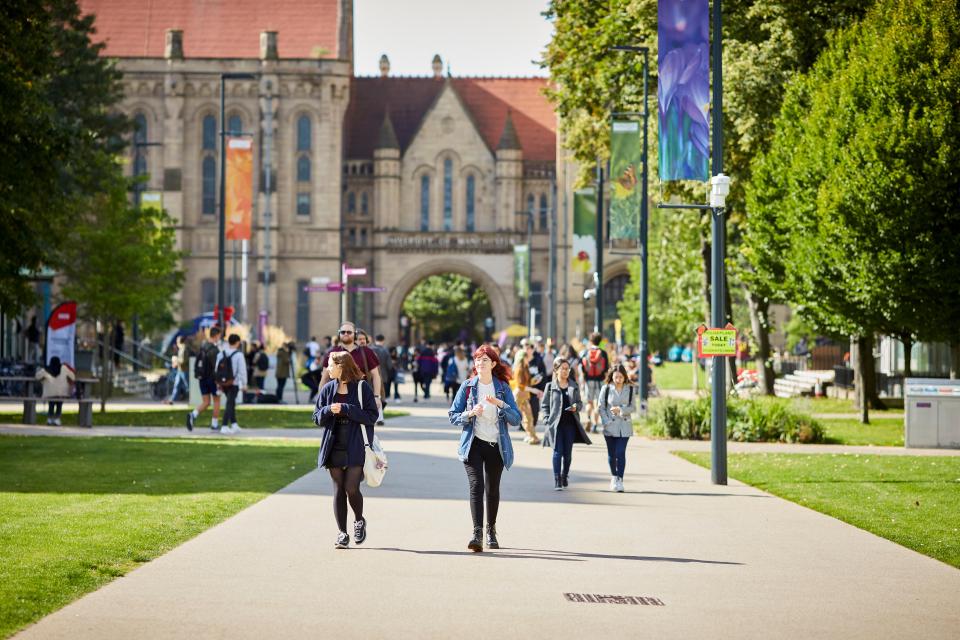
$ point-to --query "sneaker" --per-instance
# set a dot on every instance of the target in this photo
(619, 487)
(557, 483)
(343, 540)
(360, 530)
(49, 422)
(613, 483)
(379, 423)
(226, 430)
(56, 421)
(563, 479)
(235, 428)
(190, 420)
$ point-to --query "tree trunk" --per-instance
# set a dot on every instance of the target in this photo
(106, 342)
(866, 381)
(705, 255)
(760, 323)
(731, 363)
(907, 341)
(954, 359)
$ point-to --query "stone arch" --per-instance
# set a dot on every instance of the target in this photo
(402, 288)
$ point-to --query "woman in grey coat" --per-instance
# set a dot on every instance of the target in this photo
(561, 415)
(616, 415)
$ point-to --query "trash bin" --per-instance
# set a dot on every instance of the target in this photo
(932, 413)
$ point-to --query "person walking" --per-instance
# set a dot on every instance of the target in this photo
(525, 391)
(180, 364)
(231, 375)
(363, 356)
(32, 334)
(204, 370)
(56, 379)
(261, 364)
(482, 408)
(595, 363)
(427, 366)
(345, 405)
(561, 419)
(284, 362)
(616, 411)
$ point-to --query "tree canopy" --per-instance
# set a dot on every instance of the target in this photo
(448, 307)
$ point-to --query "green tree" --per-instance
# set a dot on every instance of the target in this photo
(59, 134)
(443, 306)
(851, 212)
(121, 260)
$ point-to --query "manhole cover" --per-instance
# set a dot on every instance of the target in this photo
(600, 599)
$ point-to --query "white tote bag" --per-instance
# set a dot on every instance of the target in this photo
(375, 460)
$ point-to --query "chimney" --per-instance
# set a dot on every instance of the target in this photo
(173, 49)
(384, 66)
(437, 67)
(268, 45)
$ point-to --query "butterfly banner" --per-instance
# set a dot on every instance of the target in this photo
(625, 166)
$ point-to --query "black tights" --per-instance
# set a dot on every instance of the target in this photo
(346, 484)
(484, 457)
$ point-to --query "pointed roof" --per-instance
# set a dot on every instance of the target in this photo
(508, 139)
(388, 137)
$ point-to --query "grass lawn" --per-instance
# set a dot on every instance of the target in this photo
(911, 500)
(677, 375)
(79, 512)
(810, 405)
(249, 417)
(881, 432)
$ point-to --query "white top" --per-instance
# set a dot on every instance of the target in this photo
(58, 387)
(463, 369)
(485, 426)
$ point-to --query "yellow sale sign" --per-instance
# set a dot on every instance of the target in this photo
(717, 342)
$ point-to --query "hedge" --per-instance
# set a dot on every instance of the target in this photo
(753, 420)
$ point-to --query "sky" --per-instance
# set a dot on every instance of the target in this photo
(486, 38)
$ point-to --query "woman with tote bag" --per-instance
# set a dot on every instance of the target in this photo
(561, 419)
(345, 406)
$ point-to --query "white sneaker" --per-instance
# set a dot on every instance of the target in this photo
(235, 428)
(619, 487)
(56, 421)
(226, 430)
(613, 483)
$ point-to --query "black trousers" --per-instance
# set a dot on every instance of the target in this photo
(230, 413)
(281, 383)
(484, 459)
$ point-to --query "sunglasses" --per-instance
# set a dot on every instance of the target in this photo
(345, 333)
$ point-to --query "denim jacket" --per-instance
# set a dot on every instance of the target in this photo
(465, 401)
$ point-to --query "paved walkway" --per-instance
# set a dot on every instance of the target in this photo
(725, 562)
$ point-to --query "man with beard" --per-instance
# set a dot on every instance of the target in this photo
(366, 359)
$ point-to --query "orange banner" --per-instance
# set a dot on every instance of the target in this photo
(239, 201)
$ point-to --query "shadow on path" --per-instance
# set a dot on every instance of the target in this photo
(548, 554)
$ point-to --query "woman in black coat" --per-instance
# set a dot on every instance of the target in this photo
(342, 411)
(561, 417)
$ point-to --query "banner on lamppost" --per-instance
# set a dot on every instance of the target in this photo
(238, 203)
(584, 230)
(625, 161)
(521, 270)
(683, 92)
(62, 333)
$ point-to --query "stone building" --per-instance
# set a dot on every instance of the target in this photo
(405, 176)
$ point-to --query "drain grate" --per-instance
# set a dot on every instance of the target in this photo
(600, 599)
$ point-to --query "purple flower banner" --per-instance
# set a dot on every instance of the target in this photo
(683, 93)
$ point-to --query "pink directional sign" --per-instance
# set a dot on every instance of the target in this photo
(355, 271)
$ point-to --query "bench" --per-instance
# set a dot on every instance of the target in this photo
(84, 416)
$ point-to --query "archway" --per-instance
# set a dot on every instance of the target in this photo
(447, 307)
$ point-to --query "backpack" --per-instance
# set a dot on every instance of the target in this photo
(203, 366)
(606, 398)
(225, 370)
(594, 363)
(452, 373)
(263, 362)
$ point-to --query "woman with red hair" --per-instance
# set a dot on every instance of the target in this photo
(483, 408)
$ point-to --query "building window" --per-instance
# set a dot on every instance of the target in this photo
(425, 203)
(234, 125)
(139, 149)
(471, 195)
(351, 202)
(363, 237)
(303, 169)
(209, 185)
(448, 195)
(543, 212)
(303, 204)
(364, 203)
(352, 237)
(531, 209)
(303, 133)
(208, 295)
(303, 311)
(209, 133)
(536, 301)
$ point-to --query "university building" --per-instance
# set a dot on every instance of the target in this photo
(405, 176)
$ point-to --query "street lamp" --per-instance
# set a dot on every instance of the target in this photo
(223, 192)
(138, 188)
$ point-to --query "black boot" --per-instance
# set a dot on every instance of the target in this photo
(563, 479)
(557, 483)
(492, 537)
(476, 543)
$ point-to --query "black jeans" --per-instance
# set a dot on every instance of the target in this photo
(346, 485)
(281, 383)
(230, 413)
(54, 409)
(484, 457)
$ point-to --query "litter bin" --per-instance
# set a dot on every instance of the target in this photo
(932, 413)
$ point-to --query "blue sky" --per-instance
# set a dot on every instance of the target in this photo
(490, 37)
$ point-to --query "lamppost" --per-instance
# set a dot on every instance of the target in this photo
(223, 191)
(138, 188)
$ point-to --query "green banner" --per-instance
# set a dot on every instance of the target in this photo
(584, 231)
(521, 270)
(625, 172)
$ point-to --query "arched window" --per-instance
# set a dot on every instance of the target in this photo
(209, 133)
(139, 148)
(425, 203)
(208, 294)
(303, 203)
(303, 133)
(543, 212)
(351, 202)
(364, 203)
(303, 169)
(471, 198)
(531, 203)
(234, 125)
(139, 128)
(209, 185)
(448, 195)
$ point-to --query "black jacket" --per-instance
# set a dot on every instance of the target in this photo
(324, 417)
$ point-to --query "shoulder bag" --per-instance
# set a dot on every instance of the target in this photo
(374, 458)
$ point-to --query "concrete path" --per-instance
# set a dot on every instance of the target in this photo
(696, 560)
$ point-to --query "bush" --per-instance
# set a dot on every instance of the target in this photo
(754, 420)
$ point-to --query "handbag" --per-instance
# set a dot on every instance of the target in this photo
(374, 458)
